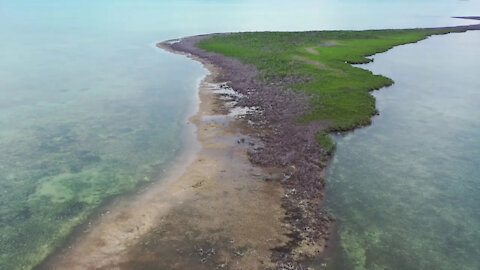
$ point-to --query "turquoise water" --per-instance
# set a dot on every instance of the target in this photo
(90, 108)
(406, 189)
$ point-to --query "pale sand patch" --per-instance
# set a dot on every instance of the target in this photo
(329, 43)
(216, 212)
(311, 50)
(310, 61)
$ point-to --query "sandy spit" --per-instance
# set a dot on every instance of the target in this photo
(214, 209)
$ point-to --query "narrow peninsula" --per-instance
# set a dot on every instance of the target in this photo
(297, 87)
(251, 196)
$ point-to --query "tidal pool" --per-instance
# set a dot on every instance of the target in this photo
(405, 190)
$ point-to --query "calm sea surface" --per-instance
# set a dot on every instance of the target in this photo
(406, 189)
(89, 109)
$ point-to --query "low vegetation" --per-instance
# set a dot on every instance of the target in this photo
(320, 63)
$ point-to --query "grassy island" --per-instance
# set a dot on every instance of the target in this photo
(305, 86)
(319, 63)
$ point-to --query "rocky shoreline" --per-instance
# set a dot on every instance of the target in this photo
(249, 199)
(285, 144)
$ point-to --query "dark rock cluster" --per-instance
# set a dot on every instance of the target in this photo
(286, 143)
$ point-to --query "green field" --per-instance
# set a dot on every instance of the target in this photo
(321, 63)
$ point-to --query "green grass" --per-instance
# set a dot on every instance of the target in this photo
(326, 142)
(321, 62)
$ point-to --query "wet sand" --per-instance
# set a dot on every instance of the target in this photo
(284, 143)
(217, 212)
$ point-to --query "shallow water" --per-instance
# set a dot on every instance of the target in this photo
(405, 189)
(90, 108)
